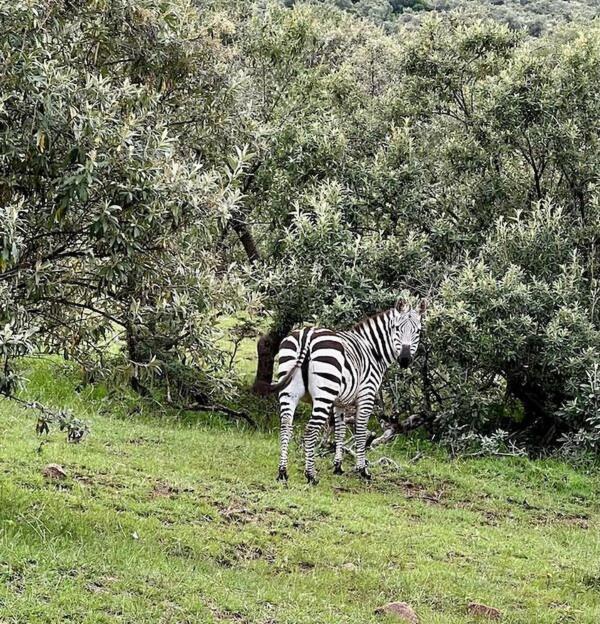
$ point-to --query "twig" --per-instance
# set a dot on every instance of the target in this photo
(386, 461)
(199, 407)
(348, 450)
(76, 429)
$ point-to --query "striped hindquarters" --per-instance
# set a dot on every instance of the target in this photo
(323, 363)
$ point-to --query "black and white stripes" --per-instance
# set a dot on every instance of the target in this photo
(341, 370)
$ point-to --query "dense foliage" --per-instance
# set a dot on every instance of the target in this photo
(106, 215)
(535, 16)
(162, 161)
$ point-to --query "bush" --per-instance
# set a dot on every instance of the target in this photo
(518, 318)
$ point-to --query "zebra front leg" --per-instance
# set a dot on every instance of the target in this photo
(363, 414)
(340, 430)
(320, 414)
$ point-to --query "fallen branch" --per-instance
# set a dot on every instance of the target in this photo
(485, 453)
(326, 446)
(199, 407)
(388, 434)
(392, 429)
(386, 461)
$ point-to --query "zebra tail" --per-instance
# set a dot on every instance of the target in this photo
(285, 380)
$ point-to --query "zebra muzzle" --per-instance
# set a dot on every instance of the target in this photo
(404, 358)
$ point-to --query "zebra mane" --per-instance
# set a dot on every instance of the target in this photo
(366, 319)
(374, 330)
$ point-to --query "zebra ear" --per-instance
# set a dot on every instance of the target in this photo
(423, 307)
(401, 305)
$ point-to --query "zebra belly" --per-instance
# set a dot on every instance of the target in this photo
(325, 365)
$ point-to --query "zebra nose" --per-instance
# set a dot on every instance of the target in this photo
(404, 357)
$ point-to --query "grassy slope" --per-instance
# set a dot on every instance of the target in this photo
(163, 521)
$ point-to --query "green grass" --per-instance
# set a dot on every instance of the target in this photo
(166, 521)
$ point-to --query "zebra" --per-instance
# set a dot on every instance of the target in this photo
(340, 371)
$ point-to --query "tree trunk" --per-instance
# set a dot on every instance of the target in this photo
(239, 219)
(134, 357)
(267, 347)
(246, 238)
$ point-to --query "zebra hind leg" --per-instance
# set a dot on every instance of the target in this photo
(340, 430)
(362, 420)
(320, 414)
(288, 401)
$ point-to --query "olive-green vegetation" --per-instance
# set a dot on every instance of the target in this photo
(166, 165)
(163, 519)
(535, 16)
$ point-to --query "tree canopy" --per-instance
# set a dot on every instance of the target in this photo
(166, 163)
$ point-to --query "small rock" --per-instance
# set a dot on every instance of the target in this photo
(54, 471)
(480, 609)
(349, 566)
(400, 609)
(135, 535)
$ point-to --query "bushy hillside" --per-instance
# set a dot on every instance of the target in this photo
(299, 166)
(165, 520)
(535, 16)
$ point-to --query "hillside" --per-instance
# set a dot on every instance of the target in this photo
(164, 520)
(535, 16)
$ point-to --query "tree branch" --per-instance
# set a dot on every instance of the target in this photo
(200, 407)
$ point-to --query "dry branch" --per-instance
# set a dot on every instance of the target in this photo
(200, 407)
(393, 428)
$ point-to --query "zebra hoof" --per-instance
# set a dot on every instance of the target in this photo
(337, 468)
(283, 475)
(365, 474)
(311, 479)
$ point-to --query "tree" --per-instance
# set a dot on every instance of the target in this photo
(100, 195)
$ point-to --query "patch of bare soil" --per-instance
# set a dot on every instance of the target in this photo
(238, 514)
(141, 441)
(244, 553)
(101, 479)
(249, 510)
(100, 585)
(417, 491)
(544, 518)
(306, 566)
(228, 615)
(164, 490)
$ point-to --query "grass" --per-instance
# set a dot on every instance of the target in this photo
(171, 521)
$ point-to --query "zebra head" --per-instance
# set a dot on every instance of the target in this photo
(407, 330)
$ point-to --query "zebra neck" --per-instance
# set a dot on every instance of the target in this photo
(377, 332)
